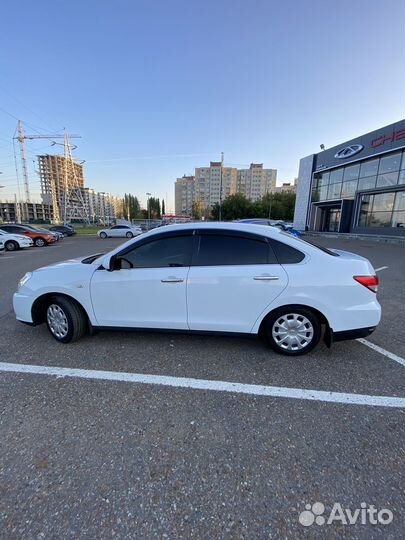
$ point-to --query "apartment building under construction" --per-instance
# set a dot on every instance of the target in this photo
(62, 184)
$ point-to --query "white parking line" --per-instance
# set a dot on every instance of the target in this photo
(381, 268)
(202, 384)
(386, 353)
(7, 257)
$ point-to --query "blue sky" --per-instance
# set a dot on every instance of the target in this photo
(156, 88)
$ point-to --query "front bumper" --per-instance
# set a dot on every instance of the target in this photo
(22, 305)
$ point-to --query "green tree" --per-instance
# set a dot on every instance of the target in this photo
(197, 209)
(131, 207)
(234, 207)
(163, 207)
(154, 208)
(273, 205)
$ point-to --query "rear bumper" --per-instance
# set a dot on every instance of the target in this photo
(352, 334)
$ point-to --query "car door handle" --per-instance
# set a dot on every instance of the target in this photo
(172, 280)
(266, 278)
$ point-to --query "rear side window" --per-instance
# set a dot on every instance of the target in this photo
(286, 254)
(220, 250)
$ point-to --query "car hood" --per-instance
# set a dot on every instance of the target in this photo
(69, 263)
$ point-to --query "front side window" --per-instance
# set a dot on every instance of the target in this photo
(220, 250)
(166, 252)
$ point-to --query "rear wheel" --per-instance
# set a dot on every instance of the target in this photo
(65, 319)
(103, 235)
(40, 242)
(11, 245)
(292, 331)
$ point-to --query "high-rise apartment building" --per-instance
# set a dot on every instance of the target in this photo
(256, 182)
(208, 182)
(205, 186)
(184, 195)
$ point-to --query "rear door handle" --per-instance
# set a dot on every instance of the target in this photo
(266, 278)
(172, 280)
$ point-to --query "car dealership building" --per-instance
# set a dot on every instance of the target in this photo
(355, 187)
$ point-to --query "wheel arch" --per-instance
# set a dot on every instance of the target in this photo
(323, 319)
(38, 310)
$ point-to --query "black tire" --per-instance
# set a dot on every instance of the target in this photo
(40, 242)
(11, 245)
(129, 235)
(103, 235)
(76, 319)
(305, 341)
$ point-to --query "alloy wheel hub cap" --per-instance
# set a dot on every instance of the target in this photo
(57, 321)
(292, 332)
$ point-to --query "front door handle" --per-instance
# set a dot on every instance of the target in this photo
(266, 278)
(172, 280)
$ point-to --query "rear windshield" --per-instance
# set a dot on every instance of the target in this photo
(324, 249)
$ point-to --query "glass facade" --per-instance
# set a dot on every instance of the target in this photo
(345, 182)
(382, 210)
(368, 182)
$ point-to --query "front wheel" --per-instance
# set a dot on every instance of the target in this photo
(65, 319)
(103, 235)
(129, 235)
(292, 330)
(40, 242)
(11, 245)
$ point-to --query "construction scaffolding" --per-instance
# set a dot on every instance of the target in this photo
(61, 178)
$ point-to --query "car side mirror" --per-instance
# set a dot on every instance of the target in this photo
(108, 262)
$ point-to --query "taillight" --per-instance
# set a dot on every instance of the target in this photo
(371, 282)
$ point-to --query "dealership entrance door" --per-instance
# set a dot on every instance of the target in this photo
(331, 219)
(331, 216)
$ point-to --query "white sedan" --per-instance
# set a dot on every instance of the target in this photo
(12, 242)
(120, 231)
(209, 277)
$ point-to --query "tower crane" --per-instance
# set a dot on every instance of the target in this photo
(21, 138)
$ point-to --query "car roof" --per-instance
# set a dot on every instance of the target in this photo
(226, 226)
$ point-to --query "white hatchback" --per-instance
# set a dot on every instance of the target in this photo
(212, 277)
(120, 231)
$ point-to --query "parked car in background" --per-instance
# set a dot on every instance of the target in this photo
(12, 242)
(56, 235)
(286, 227)
(66, 230)
(120, 231)
(39, 238)
(1, 245)
(212, 277)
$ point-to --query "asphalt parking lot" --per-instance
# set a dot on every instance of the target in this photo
(87, 457)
